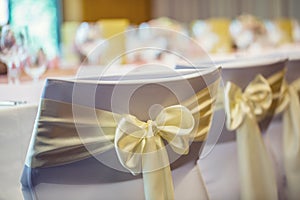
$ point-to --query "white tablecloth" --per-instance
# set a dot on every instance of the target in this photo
(16, 124)
(29, 92)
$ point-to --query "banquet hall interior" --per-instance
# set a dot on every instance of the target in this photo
(150, 99)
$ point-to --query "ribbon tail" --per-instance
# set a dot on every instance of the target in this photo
(291, 128)
(158, 185)
(256, 171)
(157, 176)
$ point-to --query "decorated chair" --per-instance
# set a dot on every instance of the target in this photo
(239, 167)
(134, 138)
(284, 134)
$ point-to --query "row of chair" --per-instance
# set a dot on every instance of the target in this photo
(251, 166)
(131, 138)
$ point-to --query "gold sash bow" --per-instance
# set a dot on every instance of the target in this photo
(244, 110)
(290, 106)
(140, 146)
(255, 101)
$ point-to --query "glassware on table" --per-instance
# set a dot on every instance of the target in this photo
(13, 51)
(36, 63)
(87, 39)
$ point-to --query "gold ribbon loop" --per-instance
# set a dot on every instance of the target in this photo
(256, 100)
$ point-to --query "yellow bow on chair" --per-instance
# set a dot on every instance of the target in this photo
(140, 147)
(244, 110)
(290, 106)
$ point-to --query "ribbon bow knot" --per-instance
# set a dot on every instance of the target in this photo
(152, 128)
(254, 101)
(139, 145)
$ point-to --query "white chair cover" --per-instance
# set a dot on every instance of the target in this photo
(284, 143)
(91, 179)
(220, 167)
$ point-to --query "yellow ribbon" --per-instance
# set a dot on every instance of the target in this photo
(254, 101)
(244, 110)
(290, 106)
(140, 146)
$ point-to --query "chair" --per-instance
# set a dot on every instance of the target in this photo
(246, 171)
(68, 33)
(220, 26)
(113, 30)
(84, 128)
(284, 133)
(285, 25)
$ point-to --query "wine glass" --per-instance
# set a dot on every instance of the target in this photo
(13, 51)
(36, 63)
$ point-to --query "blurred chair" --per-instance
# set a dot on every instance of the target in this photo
(113, 30)
(284, 133)
(68, 32)
(285, 26)
(220, 26)
(90, 134)
(239, 167)
(251, 93)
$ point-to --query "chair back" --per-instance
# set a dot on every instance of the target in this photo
(293, 70)
(142, 96)
(242, 72)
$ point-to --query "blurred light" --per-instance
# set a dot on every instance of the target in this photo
(41, 18)
(3, 12)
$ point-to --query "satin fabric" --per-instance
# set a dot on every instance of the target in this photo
(140, 146)
(290, 106)
(244, 109)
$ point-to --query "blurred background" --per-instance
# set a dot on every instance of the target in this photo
(66, 30)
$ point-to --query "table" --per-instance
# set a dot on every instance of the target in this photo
(16, 124)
